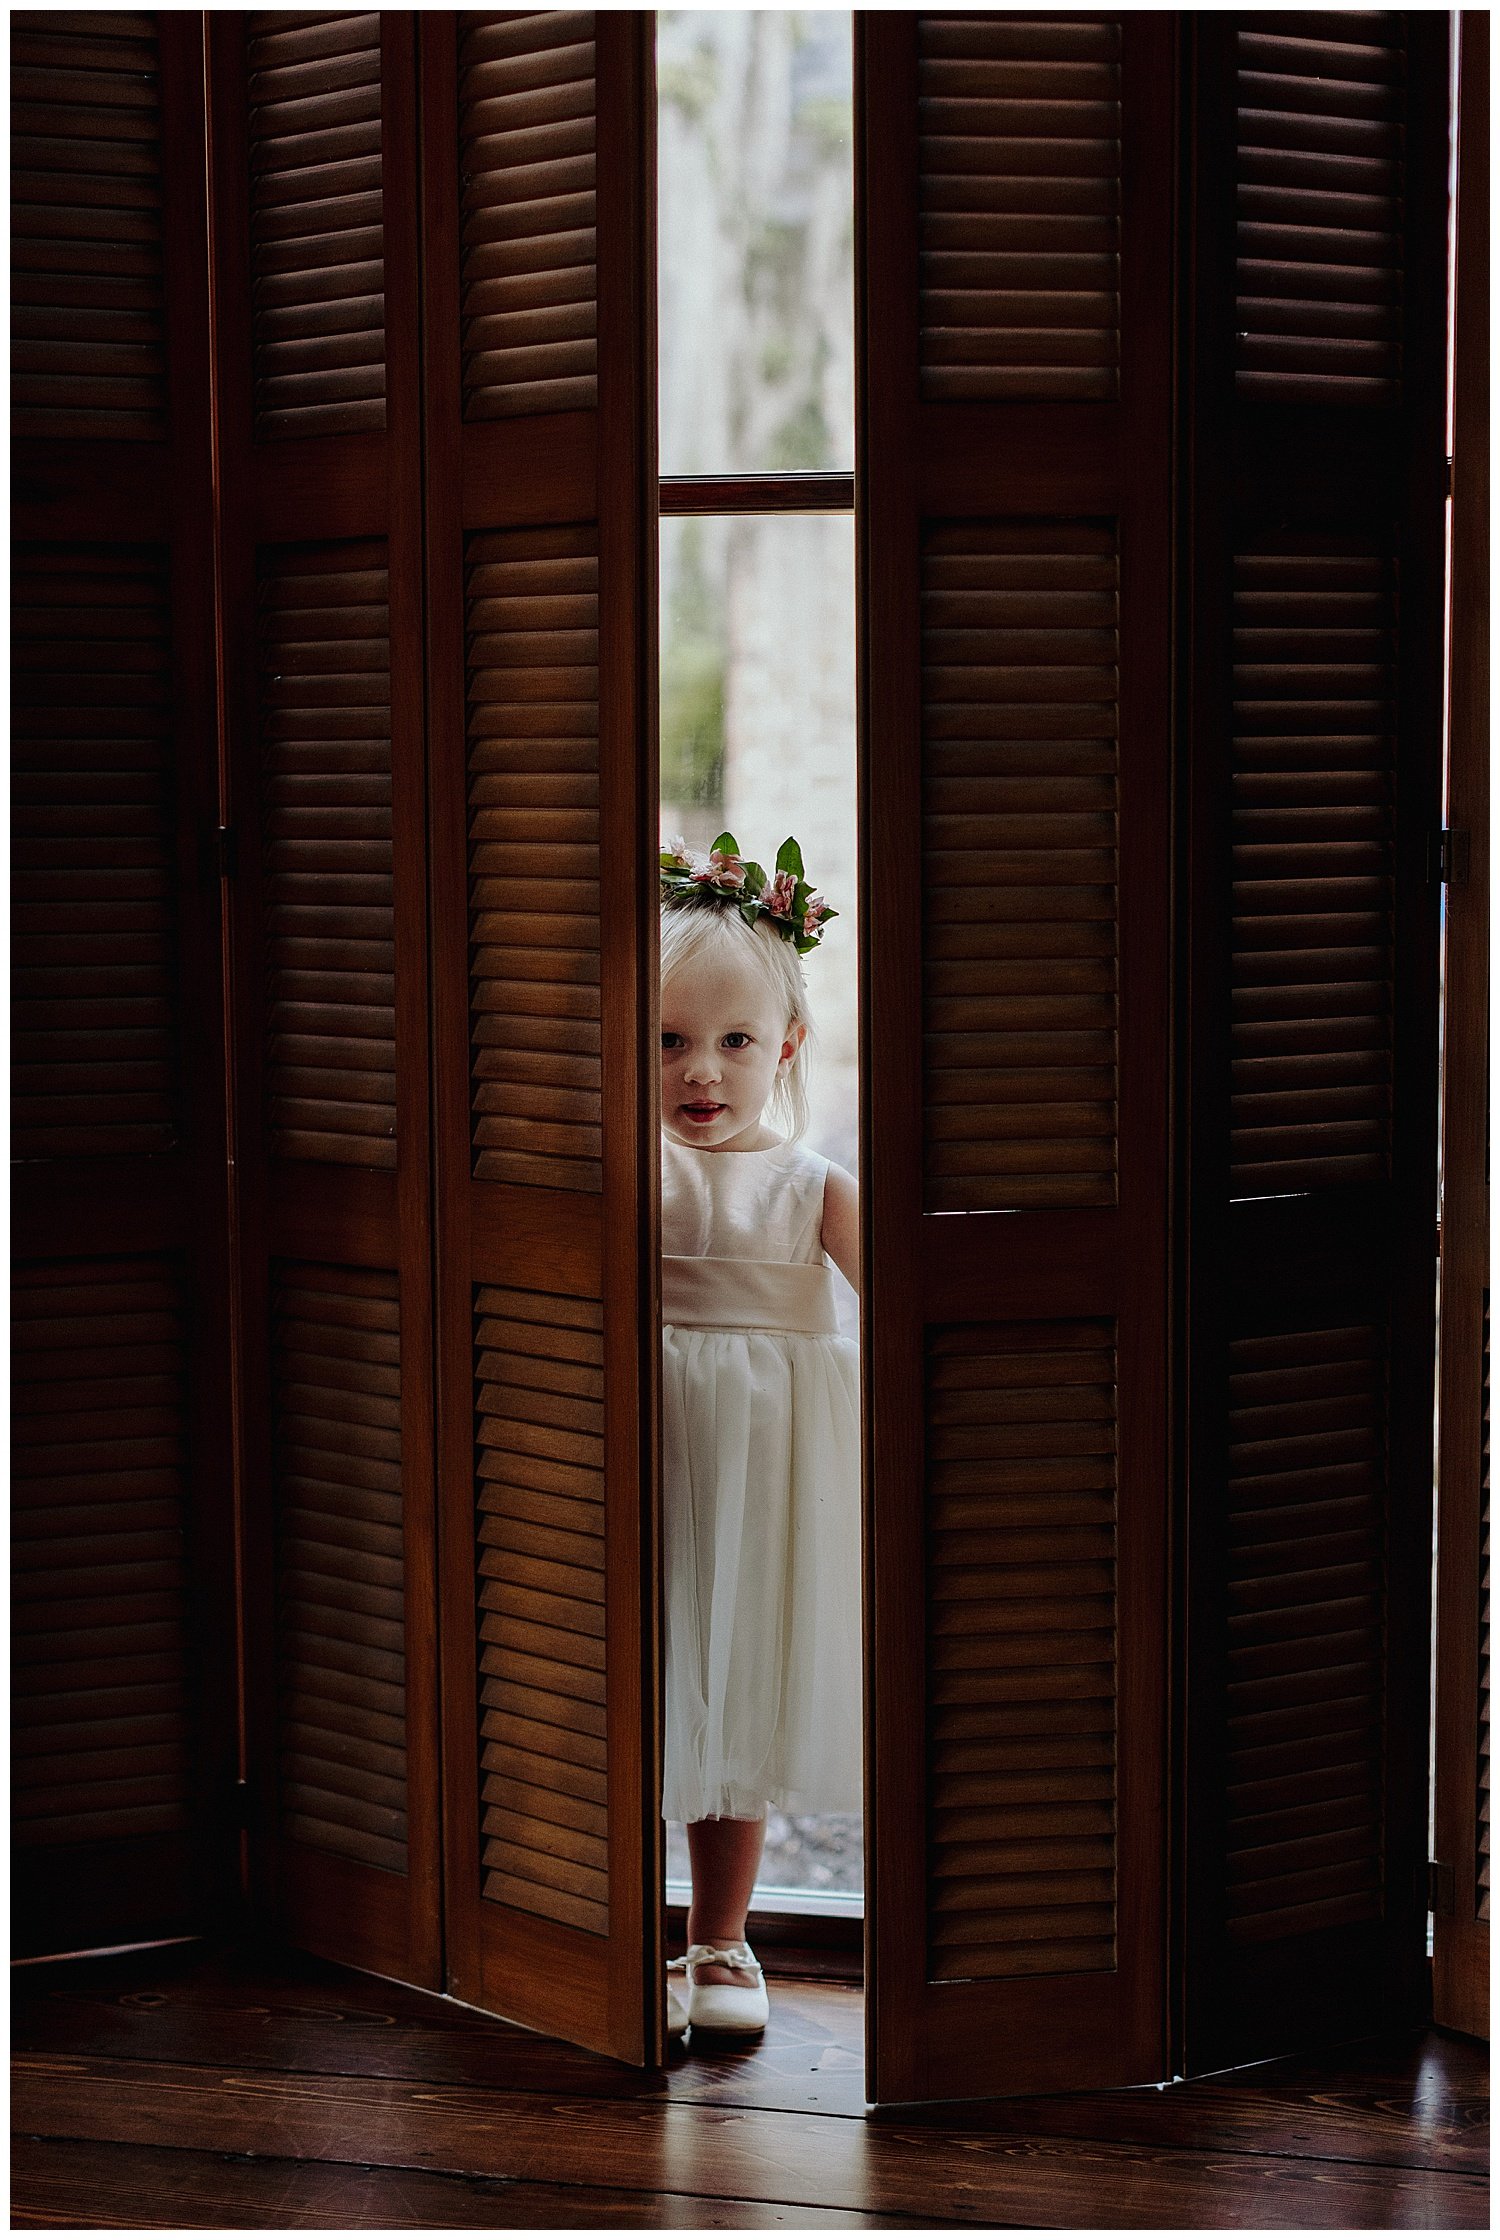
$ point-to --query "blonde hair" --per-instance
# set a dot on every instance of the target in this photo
(687, 930)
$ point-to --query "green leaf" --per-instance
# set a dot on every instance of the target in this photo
(789, 857)
(755, 878)
(725, 845)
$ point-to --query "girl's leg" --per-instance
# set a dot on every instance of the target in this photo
(725, 1856)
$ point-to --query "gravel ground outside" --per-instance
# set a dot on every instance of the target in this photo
(822, 1853)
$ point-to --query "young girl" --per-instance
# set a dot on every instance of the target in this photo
(760, 1410)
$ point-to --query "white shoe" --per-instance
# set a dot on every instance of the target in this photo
(741, 2008)
(677, 2014)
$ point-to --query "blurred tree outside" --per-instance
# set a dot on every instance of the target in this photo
(755, 206)
(694, 659)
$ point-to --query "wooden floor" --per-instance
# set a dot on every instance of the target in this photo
(194, 2086)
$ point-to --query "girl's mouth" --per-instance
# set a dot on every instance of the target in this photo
(702, 1112)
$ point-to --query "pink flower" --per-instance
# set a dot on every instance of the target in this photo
(812, 911)
(780, 895)
(722, 871)
(676, 852)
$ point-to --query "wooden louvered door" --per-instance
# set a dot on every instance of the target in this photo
(1014, 188)
(318, 386)
(538, 204)
(1314, 575)
(1461, 1805)
(123, 1758)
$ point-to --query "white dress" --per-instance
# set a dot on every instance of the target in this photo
(761, 1473)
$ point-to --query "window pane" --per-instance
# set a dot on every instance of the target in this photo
(755, 255)
(757, 733)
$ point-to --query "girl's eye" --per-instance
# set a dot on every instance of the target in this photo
(737, 1039)
(670, 1041)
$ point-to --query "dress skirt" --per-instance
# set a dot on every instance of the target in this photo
(761, 1433)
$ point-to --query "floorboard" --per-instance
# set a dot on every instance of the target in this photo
(296, 2013)
(201, 2191)
(247, 2087)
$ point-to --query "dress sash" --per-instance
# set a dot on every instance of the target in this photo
(704, 1293)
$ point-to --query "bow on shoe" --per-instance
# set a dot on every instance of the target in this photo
(737, 2008)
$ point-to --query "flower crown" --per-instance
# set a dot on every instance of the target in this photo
(722, 876)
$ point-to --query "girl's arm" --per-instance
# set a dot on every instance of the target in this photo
(841, 1221)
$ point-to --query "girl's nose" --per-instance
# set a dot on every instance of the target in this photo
(701, 1069)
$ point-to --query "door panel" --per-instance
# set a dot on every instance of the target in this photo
(1461, 1906)
(1314, 560)
(123, 1644)
(1014, 223)
(538, 199)
(320, 467)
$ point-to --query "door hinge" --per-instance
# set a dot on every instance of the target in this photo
(218, 853)
(1439, 1886)
(1448, 857)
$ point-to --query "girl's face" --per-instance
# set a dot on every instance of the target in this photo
(723, 1043)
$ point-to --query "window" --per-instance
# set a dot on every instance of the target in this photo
(756, 356)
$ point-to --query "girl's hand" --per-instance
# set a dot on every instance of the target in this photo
(841, 1221)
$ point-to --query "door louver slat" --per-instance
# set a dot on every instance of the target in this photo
(330, 919)
(529, 272)
(533, 683)
(1020, 815)
(1021, 1678)
(340, 1602)
(1306, 1658)
(1019, 206)
(100, 1625)
(1313, 816)
(88, 335)
(96, 1059)
(317, 239)
(539, 1381)
(1319, 207)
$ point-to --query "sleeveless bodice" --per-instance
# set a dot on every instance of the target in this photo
(742, 1205)
(742, 1239)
